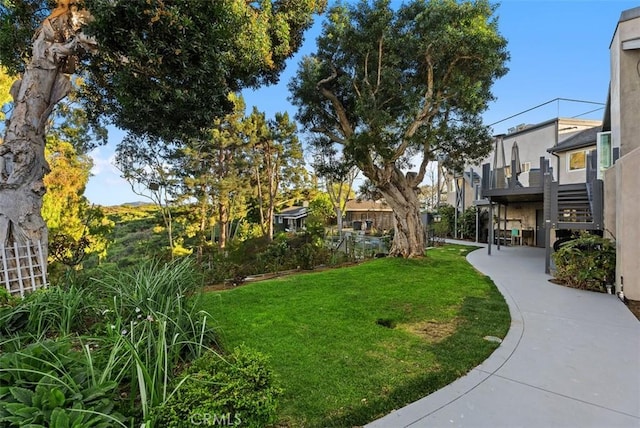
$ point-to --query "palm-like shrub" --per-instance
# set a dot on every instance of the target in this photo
(588, 262)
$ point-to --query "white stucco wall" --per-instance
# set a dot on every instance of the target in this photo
(627, 223)
(625, 174)
(625, 85)
(571, 177)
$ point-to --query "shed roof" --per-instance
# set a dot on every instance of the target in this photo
(580, 140)
(293, 212)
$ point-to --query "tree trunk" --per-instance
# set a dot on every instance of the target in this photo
(224, 225)
(408, 240)
(270, 217)
(22, 161)
(263, 226)
(202, 229)
(338, 212)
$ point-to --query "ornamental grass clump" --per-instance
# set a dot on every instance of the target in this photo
(153, 322)
(113, 351)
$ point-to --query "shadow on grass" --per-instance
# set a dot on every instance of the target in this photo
(455, 357)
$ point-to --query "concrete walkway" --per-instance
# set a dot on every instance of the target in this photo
(571, 359)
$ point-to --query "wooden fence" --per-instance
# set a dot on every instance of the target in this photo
(23, 268)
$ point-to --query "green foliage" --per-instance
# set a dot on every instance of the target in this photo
(18, 21)
(144, 322)
(216, 173)
(320, 210)
(588, 262)
(164, 68)
(468, 222)
(76, 228)
(445, 227)
(394, 86)
(239, 387)
(327, 349)
(277, 162)
(7, 299)
(157, 293)
(286, 252)
(53, 311)
(49, 384)
(153, 325)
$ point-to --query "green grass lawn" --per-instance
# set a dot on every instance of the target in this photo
(349, 345)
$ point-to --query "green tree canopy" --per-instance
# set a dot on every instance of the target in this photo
(76, 227)
(165, 68)
(396, 86)
(161, 69)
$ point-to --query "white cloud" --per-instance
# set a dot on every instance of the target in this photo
(106, 186)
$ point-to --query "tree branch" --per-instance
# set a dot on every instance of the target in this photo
(347, 129)
(379, 65)
(332, 136)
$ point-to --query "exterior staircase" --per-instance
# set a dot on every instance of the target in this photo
(577, 206)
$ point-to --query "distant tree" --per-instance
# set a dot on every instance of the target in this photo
(277, 162)
(156, 68)
(76, 227)
(337, 172)
(321, 209)
(229, 169)
(391, 86)
(145, 163)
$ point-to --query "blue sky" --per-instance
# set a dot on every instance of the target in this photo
(559, 49)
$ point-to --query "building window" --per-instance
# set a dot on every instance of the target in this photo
(605, 152)
(577, 160)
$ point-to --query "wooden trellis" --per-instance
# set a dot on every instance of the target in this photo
(23, 268)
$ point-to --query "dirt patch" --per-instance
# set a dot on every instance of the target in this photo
(432, 330)
(634, 307)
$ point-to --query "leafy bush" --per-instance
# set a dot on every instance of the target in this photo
(445, 227)
(49, 384)
(309, 255)
(468, 226)
(239, 389)
(588, 262)
(277, 256)
(6, 299)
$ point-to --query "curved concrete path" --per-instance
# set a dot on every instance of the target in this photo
(571, 359)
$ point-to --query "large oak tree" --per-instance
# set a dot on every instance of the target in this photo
(396, 86)
(158, 68)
